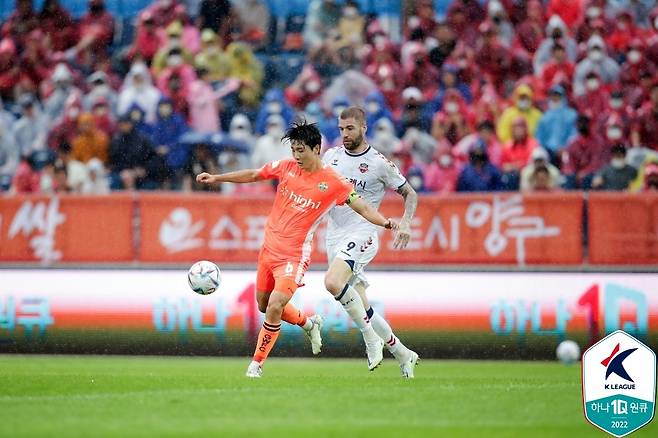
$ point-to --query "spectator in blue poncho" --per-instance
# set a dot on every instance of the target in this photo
(274, 103)
(558, 124)
(168, 128)
(376, 108)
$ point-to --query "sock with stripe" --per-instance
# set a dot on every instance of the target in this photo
(294, 316)
(351, 301)
(384, 330)
(266, 340)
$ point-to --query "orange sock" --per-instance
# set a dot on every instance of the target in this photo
(293, 315)
(266, 340)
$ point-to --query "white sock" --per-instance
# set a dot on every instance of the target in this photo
(353, 305)
(384, 330)
(308, 325)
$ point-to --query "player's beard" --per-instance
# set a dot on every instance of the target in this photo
(351, 145)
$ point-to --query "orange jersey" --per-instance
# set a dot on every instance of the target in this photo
(302, 200)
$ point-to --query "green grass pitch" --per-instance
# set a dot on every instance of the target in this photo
(93, 396)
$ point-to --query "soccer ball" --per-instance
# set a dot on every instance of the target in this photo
(204, 277)
(568, 352)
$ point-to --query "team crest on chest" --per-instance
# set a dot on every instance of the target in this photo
(323, 186)
(363, 167)
(335, 162)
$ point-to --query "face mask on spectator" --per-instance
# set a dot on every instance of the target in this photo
(174, 41)
(274, 130)
(613, 133)
(593, 12)
(553, 104)
(274, 107)
(595, 55)
(416, 182)
(312, 86)
(524, 103)
(174, 61)
(350, 12)
(452, 107)
(372, 107)
(618, 163)
(634, 56)
(592, 84)
(213, 50)
(616, 103)
(73, 113)
(100, 111)
(445, 160)
(165, 110)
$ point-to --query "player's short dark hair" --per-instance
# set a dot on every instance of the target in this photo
(354, 112)
(303, 132)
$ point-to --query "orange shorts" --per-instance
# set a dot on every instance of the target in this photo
(276, 273)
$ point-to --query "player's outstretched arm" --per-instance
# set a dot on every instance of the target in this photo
(370, 214)
(239, 176)
(410, 203)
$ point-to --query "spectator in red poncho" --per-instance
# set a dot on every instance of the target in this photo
(516, 152)
(164, 12)
(595, 21)
(147, 41)
(492, 57)
(306, 88)
(10, 73)
(96, 28)
(454, 120)
(625, 31)
(176, 66)
(26, 178)
(442, 173)
(464, 27)
(584, 156)
(558, 69)
(618, 109)
(646, 124)
(635, 64)
(422, 19)
(594, 101)
(530, 33)
(571, 11)
(58, 25)
(418, 72)
(19, 24)
(652, 41)
(34, 61)
(636, 96)
(386, 72)
(66, 129)
(472, 9)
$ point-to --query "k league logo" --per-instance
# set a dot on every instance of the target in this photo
(619, 384)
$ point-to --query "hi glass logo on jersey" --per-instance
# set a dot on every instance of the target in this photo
(619, 384)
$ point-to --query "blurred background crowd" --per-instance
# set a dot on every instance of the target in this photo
(463, 95)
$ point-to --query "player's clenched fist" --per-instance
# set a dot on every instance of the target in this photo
(204, 177)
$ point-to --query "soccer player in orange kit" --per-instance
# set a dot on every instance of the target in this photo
(307, 191)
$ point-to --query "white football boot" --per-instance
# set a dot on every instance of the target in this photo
(254, 369)
(375, 352)
(408, 366)
(314, 334)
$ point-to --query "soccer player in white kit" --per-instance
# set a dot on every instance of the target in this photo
(352, 242)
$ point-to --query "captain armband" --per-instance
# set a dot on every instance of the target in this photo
(352, 197)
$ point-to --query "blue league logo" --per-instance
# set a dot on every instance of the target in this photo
(619, 384)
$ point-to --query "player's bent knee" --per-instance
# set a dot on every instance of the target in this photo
(333, 284)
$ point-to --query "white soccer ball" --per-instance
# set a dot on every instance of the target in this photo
(568, 352)
(204, 277)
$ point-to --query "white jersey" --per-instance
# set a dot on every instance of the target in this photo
(371, 173)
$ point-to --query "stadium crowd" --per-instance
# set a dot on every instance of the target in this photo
(492, 95)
